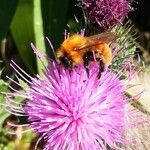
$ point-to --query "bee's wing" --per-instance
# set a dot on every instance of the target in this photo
(105, 37)
(97, 39)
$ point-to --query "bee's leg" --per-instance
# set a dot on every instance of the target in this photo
(88, 56)
(101, 68)
(86, 62)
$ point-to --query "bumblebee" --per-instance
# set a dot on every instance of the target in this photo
(79, 49)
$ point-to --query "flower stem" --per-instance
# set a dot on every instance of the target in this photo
(38, 31)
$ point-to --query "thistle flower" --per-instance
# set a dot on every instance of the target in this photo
(73, 110)
(106, 13)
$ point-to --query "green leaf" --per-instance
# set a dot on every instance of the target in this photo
(7, 10)
(23, 33)
(23, 84)
(137, 104)
(10, 146)
(38, 31)
(22, 142)
(54, 14)
(3, 113)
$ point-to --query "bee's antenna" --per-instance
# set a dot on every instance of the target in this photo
(51, 48)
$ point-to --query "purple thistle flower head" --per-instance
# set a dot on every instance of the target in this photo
(73, 110)
(106, 13)
(76, 111)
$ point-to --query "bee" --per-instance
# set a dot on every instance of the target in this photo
(79, 49)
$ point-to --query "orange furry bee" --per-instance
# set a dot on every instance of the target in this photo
(79, 49)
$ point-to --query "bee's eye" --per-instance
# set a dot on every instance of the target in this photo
(66, 61)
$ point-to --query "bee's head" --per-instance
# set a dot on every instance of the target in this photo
(66, 61)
